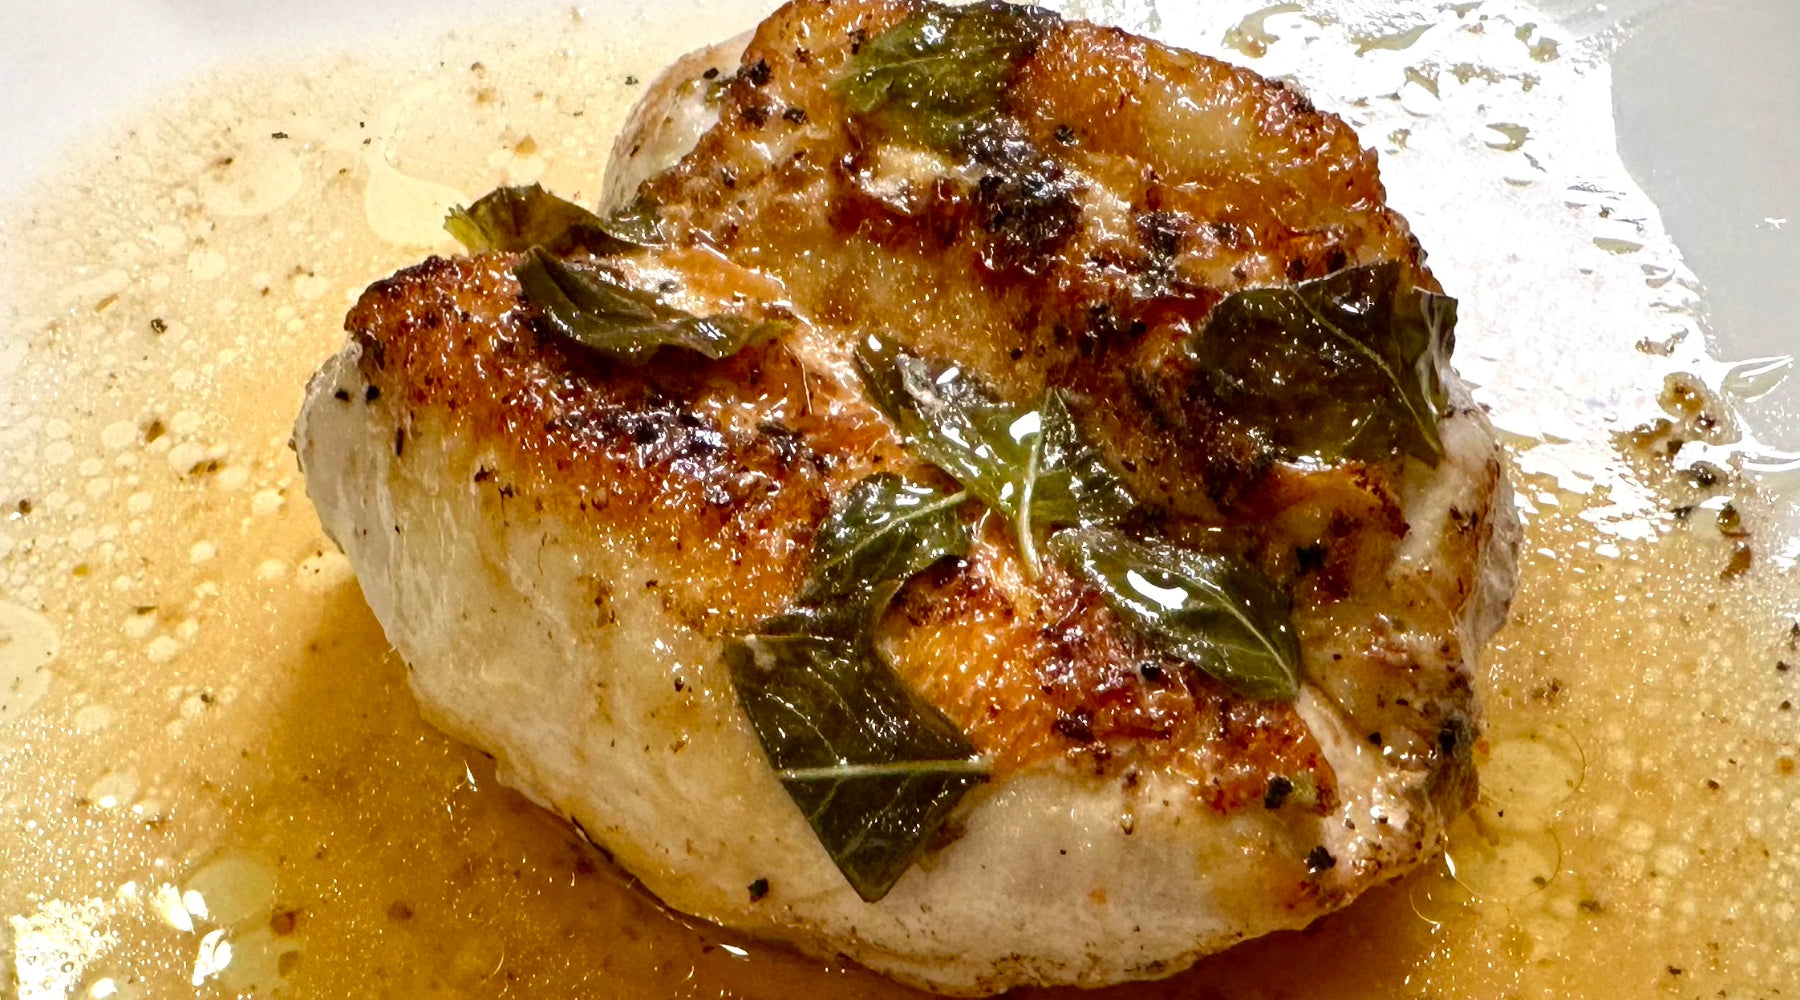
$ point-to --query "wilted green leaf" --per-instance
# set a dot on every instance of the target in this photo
(594, 308)
(515, 219)
(887, 530)
(1216, 612)
(930, 77)
(1029, 464)
(1345, 366)
(875, 768)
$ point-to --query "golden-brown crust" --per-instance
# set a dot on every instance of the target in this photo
(1130, 188)
(699, 463)
(1037, 671)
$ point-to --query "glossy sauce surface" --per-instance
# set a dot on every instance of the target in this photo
(213, 779)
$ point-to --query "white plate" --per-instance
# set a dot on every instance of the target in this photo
(1689, 102)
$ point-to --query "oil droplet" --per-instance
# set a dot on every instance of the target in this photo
(93, 718)
(1617, 246)
(1397, 41)
(207, 265)
(1529, 775)
(260, 962)
(114, 789)
(1251, 35)
(252, 181)
(1515, 136)
(28, 643)
(403, 210)
(325, 571)
(1498, 864)
(237, 889)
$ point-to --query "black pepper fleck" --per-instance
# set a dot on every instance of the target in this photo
(1319, 859)
(1280, 787)
(759, 889)
(1077, 726)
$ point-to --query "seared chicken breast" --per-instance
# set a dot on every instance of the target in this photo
(904, 214)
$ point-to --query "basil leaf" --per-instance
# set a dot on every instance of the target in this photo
(1216, 612)
(596, 309)
(1031, 465)
(887, 530)
(875, 769)
(1348, 366)
(928, 79)
(638, 223)
(515, 219)
(1076, 484)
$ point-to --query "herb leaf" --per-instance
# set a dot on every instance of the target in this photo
(594, 308)
(1075, 483)
(1216, 612)
(1348, 366)
(515, 219)
(887, 530)
(929, 78)
(874, 768)
(1031, 465)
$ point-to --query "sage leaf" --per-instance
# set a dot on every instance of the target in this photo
(1031, 465)
(930, 78)
(887, 530)
(515, 219)
(875, 769)
(1216, 612)
(594, 308)
(1347, 366)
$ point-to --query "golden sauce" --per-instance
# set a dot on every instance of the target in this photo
(213, 778)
